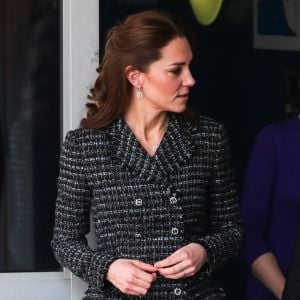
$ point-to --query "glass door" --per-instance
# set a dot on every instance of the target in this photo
(44, 79)
(30, 133)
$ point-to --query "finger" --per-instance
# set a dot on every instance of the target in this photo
(142, 275)
(131, 292)
(141, 283)
(135, 291)
(170, 261)
(173, 270)
(189, 272)
(145, 267)
(154, 276)
(178, 275)
(135, 286)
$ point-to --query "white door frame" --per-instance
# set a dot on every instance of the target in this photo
(80, 57)
(80, 44)
(80, 60)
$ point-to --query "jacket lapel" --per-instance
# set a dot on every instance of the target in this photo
(175, 150)
(177, 146)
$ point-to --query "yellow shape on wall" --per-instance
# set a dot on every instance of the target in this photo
(206, 11)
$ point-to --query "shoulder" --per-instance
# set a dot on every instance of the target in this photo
(208, 124)
(206, 132)
(276, 131)
(82, 137)
(203, 125)
(288, 125)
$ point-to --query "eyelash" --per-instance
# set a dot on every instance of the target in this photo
(176, 71)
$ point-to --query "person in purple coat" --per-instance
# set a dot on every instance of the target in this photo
(271, 207)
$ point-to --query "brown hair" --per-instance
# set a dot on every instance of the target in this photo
(136, 41)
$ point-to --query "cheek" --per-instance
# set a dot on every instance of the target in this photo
(166, 85)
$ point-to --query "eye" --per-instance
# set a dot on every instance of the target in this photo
(176, 71)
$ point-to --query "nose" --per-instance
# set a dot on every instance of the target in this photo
(189, 80)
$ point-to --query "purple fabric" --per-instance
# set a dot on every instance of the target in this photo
(271, 198)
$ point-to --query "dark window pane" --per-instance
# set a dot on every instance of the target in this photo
(29, 132)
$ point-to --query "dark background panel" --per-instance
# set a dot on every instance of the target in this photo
(243, 87)
(29, 132)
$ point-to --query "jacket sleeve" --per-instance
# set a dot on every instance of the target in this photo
(225, 232)
(72, 218)
(258, 194)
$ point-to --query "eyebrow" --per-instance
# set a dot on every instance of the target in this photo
(177, 64)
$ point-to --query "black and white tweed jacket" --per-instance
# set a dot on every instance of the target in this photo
(146, 207)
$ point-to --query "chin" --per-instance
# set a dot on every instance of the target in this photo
(180, 109)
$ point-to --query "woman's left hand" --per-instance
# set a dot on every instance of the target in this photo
(185, 262)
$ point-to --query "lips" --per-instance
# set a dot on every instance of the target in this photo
(183, 95)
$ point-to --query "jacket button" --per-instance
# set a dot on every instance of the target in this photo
(138, 202)
(177, 291)
(174, 231)
(173, 200)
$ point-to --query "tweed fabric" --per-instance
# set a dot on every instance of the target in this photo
(147, 207)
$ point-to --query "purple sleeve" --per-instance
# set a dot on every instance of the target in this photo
(257, 195)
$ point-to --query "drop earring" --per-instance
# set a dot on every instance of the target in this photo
(139, 93)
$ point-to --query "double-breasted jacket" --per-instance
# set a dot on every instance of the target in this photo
(146, 207)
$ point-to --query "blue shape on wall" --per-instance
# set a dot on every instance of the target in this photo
(272, 18)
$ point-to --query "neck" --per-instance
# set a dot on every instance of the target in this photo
(147, 125)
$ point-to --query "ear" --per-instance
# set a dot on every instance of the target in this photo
(134, 76)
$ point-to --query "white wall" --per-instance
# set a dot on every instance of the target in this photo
(34, 286)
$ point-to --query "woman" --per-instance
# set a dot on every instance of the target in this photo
(158, 182)
(270, 207)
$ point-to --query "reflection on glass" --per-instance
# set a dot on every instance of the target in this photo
(29, 132)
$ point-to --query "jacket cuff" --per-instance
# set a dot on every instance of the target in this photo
(211, 251)
(97, 270)
(254, 249)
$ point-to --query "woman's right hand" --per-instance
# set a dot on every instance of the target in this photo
(131, 277)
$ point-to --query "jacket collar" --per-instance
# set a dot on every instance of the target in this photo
(176, 148)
